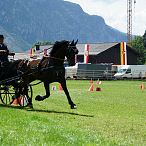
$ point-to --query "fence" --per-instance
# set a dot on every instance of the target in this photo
(89, 74)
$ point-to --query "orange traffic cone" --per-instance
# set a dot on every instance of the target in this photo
(142, 86)
(15, 102)
(91, 87)
(91, 81)
(98, 82)
(98, 89)
(60, 87)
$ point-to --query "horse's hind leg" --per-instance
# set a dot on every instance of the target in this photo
(47, 88)
(63, 84)
(26, 90)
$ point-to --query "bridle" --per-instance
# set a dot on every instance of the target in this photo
(71, 48)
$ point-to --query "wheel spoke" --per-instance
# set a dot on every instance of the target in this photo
(7, 94)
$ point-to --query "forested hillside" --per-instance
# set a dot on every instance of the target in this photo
(24, 22)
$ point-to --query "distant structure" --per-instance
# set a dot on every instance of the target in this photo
(108, 53)
(116, 53)
(129, 20)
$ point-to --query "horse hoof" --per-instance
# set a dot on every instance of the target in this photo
(38, 98)
(73, 106)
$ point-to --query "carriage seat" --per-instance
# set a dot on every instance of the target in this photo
(4, 65)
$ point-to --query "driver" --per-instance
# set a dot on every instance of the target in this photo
(4, 61)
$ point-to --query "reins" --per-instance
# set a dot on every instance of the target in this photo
(55, 58)
(36, 71)
(47, 49)
(48, 56)
(69, 46)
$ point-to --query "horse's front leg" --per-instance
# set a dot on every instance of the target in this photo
(63, 84)
(47, 88)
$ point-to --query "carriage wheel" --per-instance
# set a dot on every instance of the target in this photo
(7, 93)
(24, 99)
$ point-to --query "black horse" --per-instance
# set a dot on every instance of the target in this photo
(50, 69)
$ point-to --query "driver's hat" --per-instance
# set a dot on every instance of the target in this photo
(1, 36)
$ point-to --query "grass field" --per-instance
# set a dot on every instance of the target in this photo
(115, 116)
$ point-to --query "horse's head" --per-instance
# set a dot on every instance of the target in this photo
(71, 52)
(62, 49)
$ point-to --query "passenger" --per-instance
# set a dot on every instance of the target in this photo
(4, 52)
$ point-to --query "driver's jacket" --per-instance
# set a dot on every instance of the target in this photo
(3, 53)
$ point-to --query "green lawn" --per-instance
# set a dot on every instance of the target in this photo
(114, 116)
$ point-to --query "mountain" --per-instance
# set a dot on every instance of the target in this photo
(14, 43)
(25, 22)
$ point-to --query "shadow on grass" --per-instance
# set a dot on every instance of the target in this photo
(11, 106)
(59, 112)
(44, 111)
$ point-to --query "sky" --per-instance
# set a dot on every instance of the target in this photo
(114, 13)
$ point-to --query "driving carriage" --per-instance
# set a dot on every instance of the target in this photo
(17, 85)
(11, 84)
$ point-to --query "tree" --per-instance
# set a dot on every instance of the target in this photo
(144, 39)
(138, 45)
(42, 43)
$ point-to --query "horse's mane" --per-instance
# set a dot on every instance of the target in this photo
(57, 45)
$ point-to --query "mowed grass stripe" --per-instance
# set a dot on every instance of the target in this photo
(114, 116)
